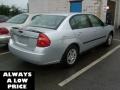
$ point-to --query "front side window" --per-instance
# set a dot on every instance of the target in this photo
(96, 22)
(79, 21)
(47, 21)
(19, 19)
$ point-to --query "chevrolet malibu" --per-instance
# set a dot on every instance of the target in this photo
(18, 21)
(59, 38)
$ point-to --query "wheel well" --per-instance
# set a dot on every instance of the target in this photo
(112, 33)
(75, 44)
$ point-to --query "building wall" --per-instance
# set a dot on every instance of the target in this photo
(97, 7)
(117, 14)
(48, 6)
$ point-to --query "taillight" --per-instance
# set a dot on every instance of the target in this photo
(3, 31)
(43, 41)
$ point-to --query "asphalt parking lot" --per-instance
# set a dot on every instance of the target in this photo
(97, 69)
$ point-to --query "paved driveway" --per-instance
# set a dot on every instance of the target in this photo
(104, 75)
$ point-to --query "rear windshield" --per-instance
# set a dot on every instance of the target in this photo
(47, 21)
(19, 19)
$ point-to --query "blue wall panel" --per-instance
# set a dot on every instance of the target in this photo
(75, 6)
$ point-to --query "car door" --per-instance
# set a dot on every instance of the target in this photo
(83, 31)
(98, 26)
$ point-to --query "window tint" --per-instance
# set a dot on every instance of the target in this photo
(34, 17)
(79, 21)
(47, 21)
(73, 23)
(95, 21)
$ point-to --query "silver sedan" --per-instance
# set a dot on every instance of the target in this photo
(18, 21)
(59, 38)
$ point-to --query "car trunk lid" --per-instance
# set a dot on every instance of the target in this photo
(27, 38)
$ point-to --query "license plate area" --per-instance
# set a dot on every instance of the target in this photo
(21, 39)
(24, 42)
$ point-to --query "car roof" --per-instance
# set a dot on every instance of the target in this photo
(31, 14)
(62, 14)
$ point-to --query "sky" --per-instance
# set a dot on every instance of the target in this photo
(18, 3)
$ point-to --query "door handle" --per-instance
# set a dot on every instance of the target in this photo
(95, 31)
(66, 36)
(80, 32)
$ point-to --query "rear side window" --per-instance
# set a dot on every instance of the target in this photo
(96, 22)
(79, 22)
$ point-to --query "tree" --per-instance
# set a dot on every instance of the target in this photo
(9, 11)
(14, 11)
(4, 10)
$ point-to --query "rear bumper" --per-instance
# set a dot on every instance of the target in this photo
(4, 39)
(35, 57)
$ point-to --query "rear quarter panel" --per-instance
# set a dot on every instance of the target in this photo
(109, 28)
(61, 39)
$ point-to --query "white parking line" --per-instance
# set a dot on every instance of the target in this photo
(4, 53)
(69, 79)
(117, 40)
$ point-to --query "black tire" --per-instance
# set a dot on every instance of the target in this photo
(109, 40)
(3, 45)
(65, 58)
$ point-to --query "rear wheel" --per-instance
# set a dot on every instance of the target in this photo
(70, 56)
(109, 40)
